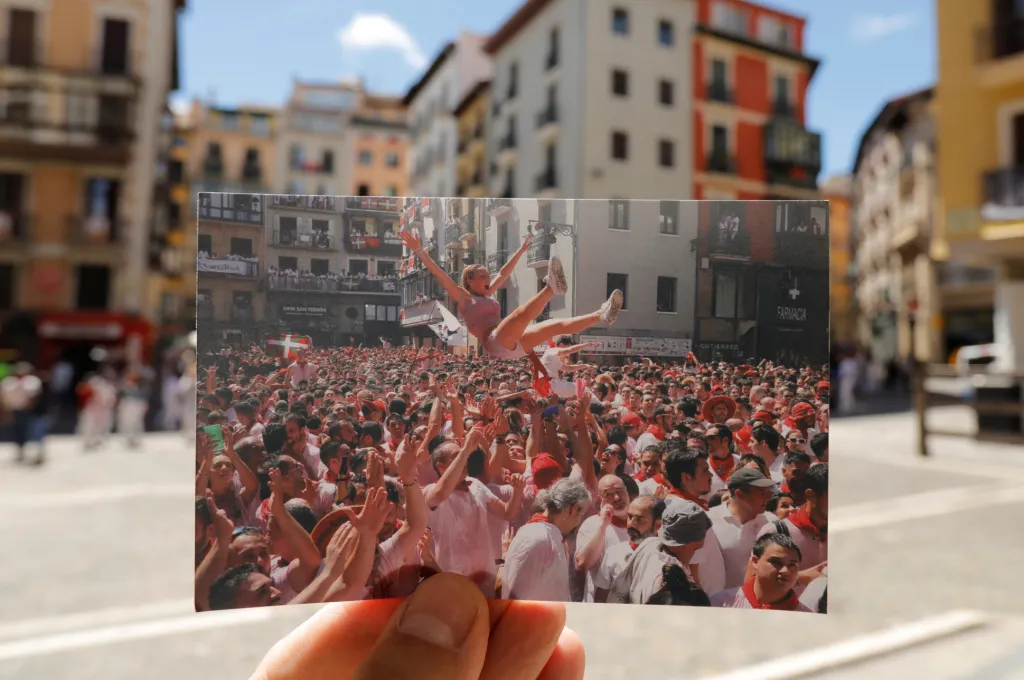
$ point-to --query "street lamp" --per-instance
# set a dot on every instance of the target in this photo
(548, 230)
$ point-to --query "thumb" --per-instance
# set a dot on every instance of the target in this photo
(440, 632)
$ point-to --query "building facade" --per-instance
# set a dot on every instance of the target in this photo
(453, 73)
(231, 297)
(842, 308)
(377, 148)
(587, 99)
(752, 74)
(311, 156)
(979, 101)
(472, 116)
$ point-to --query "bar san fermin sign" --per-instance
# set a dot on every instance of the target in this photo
(303, 311)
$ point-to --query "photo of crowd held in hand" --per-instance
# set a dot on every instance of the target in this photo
(526, 459)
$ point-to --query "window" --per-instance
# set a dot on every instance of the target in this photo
(392, 190)
(229, 121)
(174, 215)
(618, 282)
(365, 158)
(773, 31)
(666, 34)
(259, 125)
(719, 141)
(666, 92)
(204, 243)
(101, 198)
(736, 294)
(545, 213)
(6, 287)
(21, 30)
(782, 92)
(718, 71)
(620, 21)
(666, 294)
(669, 217)
(725, 295)
(175, 172)
(728, 17)
(391, 159)
(327, 165)
(288, 263)
(666, 153)
(296, 156)
(364, 190)
(241, 246)
(114, 59)
(620, 83)
(618, 214)
(552, 59)
(370, 312)
(513, 80)
(319, 267)
(385, 267)
(93, 287)
(357, 267)
(620, 146)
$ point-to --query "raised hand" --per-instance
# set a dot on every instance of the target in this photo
(222, 524)
(518, 483)
(501, 424)
(341, 548)
(526, 242)
(371, 518)
(310, 488)
(374, 470)
(425, 547)
(488, 408)
(410, 240)
(661, 492)
(406, 461)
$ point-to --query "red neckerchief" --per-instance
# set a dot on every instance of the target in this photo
(790, 423)
(658, 478)
(801, 519)
(539, 518)
(658, 433)
(784, 489)
(264, 511)
(724, 467)
(687, 497)
(633, 545)
(787, 604)
(619, 522)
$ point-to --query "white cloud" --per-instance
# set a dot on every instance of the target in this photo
(180, 104)
(876, 26)
(373, 32)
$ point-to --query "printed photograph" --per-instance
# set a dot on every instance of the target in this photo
(609, 401)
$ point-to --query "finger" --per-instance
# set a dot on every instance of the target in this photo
(522, 639)
(568, 660)
(439, 632)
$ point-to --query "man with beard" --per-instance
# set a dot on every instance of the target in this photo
(660, 424)
(643, 520)
(688, 475)
(808, 526)
(600, 532)
(650, 475)
(298, 445)
(794, 466)
(774, 572)
(537, 564)
(721, 459)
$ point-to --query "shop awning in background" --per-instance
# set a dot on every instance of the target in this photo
(421, 314)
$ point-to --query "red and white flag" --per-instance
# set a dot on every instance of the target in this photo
(286, 345)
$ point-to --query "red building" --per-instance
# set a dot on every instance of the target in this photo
(762, 276)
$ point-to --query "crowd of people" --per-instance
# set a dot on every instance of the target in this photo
(353, 473)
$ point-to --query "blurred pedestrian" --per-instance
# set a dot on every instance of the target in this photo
(21, 394)
(95, 421)
(132, 407)
(187, 398)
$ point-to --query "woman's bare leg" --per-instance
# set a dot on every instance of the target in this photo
(511, 328)
(540, 333)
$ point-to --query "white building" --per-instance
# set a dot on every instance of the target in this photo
(431, 101)
(593, 99)
(312, 153)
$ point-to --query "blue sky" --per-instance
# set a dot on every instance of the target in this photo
(871, 51)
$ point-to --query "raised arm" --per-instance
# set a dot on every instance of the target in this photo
(439, 493)
(506, 271)
(412, 242)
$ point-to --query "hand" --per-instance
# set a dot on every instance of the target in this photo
(374, 470)
(406, 461)
(506, 538)
(488, 408)
(564, 423)
(426, 551)
(526, 242)
(443, 631)
(606, 515)
(661, 492)
(518, 484)
(274, 484)
(229, 437)
(501, 424)
(370, 519)
(477, 438)
(410, 240)
(309, 490)
(340, 549)
(815, 572)
(223, 527)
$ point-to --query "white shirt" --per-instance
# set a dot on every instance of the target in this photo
(645, 440)
(734, 541)
(612, 565)
(735, 598)
(812, 551)
(613, 535)
(537, 565)
(461, 528)
(301, 372)
(18, 393)
(552, 363)
(811, 596)
(642, 575)
(717, 483)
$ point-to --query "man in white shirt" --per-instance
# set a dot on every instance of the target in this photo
(301, 371)
(553, 360)
(19, 393)
(774, 565)
(602, 531)
(299, 447)
(808, 526)
(764, 443)
(643, 521)
(537, 564)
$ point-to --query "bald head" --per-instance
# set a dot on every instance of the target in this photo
(612, 492)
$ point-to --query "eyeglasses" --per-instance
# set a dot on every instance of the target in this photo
(797, 440)
(245, 530)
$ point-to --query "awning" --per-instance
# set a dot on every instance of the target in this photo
(421, 314)
(91, 326)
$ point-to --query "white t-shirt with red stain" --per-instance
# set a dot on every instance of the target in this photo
(462, 530)
(537, 565)
(735, 598)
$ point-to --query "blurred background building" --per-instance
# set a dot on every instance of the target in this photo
(842, 307)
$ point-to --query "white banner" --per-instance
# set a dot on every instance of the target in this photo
(639, 346)
(236, 267)
(449, 329)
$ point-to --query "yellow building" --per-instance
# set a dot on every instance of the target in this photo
(980, 140)
(836, 190)
(379, 135)
(471, 115)
(84, 89)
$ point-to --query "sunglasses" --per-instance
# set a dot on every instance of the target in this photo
(245, 530)
(797, 440)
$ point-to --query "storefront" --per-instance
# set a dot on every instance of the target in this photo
(793, 316)
(616, 349)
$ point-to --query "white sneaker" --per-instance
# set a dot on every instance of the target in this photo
(611, 308)
(556, 276)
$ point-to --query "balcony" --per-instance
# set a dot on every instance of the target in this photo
(310, 167)
(551, 61)
(387, 243)
(508, 142)
(497, 260)
(539, 252)
(720, 92)
(792, 154)
(304, 240)
(95, 230)
(252, 174)
(236, 208)
(67, 121)
(15, 228)
(419, 286)
(721, 162)
(321, 203)
(374, 204)
(1003, 195)
(93, 64)
(546, 180)
(478, 131)
(452, 232)
(412, 212)
(231, 266)
(243, 314)
(499, 207)
(999, 52)
(783, 108)
(463, 145)
(332, 284)
(548, 123)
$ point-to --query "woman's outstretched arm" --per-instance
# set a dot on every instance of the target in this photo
(506, 271)
(412, 242)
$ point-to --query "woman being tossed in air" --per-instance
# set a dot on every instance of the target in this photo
(516, 334)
